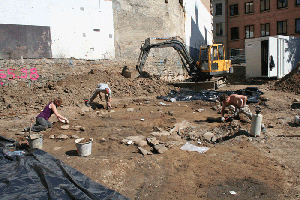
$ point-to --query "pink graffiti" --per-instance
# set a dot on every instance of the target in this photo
(10, 75)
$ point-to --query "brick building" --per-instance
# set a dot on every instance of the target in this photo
(258, 18)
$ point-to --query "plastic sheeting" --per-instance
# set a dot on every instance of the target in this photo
(39, 175)
(253, 94)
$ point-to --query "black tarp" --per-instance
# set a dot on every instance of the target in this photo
(39, 175)
(253, 94)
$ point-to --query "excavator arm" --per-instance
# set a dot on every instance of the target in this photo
(188, 63)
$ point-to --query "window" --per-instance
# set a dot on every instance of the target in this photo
(218, 9)
(214, 53)
(281, 27)
(219, 29)
(264, 5)
(298, 2)
(234, 10)
(297, 25)
(235, 33)
(281, 3)
(221, 52)
(265, 30)
(249, 7)
(249, 31)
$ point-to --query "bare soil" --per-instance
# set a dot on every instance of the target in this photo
(266, 167)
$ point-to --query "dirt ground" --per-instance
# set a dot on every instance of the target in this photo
(265, 167)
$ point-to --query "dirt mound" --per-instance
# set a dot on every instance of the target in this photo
(73, 88)
(290, 82)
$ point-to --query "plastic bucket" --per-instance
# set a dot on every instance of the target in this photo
(84, 147)
(35, 141)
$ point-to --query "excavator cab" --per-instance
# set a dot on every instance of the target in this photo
(212, 60)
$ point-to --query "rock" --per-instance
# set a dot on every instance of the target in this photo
(125, 141)
(20, 133)
(62, 136)
(51, 136)
(174, 143)
(214, 139)
(136, 138)
(208, 136)
(82, 128)
(102, 140)
(162, 133)
(77, 128)
(152, 141)
(56, 148)
(157, 129)
(141, 143)
(296, 100)
(184, 124)
(172, 100)
(113, 138)
(160, 148)
(65, 127)
(74, 137)
(130, 109)
(144, 151)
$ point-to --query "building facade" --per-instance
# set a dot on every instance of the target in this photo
(100, 29)
(260, 18)
(219, 22)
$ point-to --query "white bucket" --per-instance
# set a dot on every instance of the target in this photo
(35, 141)
(84, 148)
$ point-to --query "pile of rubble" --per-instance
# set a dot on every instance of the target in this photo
(180, 134)
(290, 82)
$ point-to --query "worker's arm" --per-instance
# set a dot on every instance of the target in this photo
(223, 110)
(59, 117)
(109, 101)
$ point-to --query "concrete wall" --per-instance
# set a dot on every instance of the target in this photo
(79, 29)
(136, 20)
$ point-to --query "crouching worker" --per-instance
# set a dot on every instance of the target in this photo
(236, 103)
(102, 88)
(42, 122)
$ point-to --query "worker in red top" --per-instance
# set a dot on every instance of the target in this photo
(236, 103)
(42, 122)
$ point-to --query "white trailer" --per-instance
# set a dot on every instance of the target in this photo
(272, 56)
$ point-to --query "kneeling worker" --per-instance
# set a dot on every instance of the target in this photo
(102, 88)
(236, 103)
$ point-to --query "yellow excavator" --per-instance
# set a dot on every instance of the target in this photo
(211, 63)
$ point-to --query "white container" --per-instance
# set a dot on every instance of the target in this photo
(258, 52)
(297, 120)
(256, 125)
(35, 141)
(84, 148)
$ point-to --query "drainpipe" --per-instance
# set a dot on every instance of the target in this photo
(227, 43)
